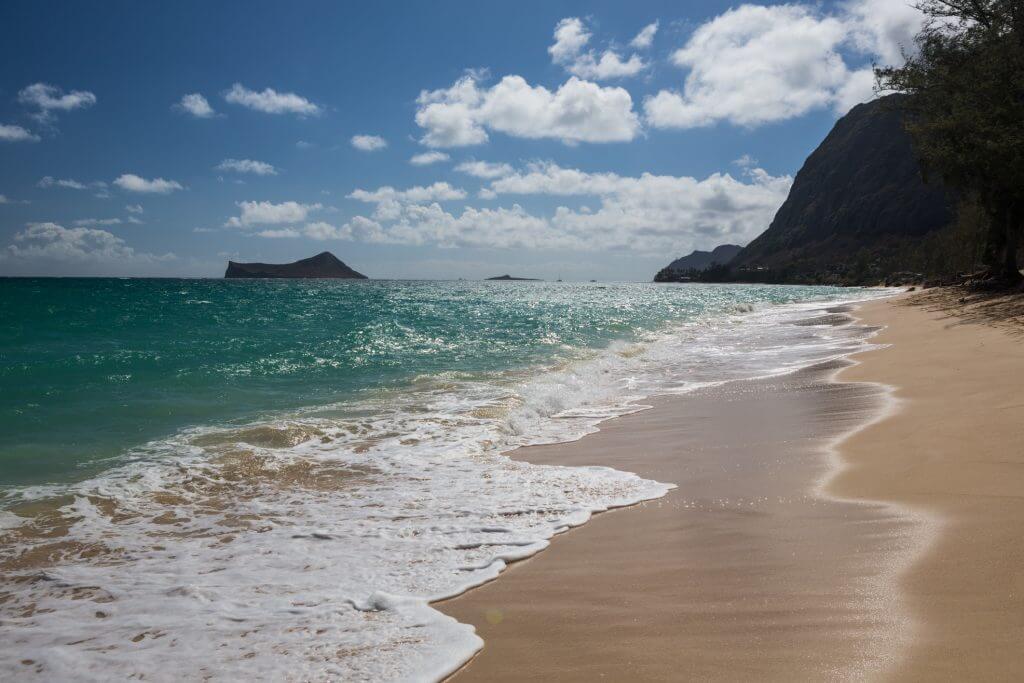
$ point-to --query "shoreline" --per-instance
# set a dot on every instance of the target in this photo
(724, 595)
(524, 636)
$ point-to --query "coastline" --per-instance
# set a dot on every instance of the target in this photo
(777, 557)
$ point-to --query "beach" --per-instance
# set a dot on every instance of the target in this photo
(855, 519)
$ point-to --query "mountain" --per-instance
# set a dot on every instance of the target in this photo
(697, 261)
(323, 265)
(859, 197)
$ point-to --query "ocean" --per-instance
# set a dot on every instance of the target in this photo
(273, 479)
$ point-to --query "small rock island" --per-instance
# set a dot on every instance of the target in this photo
(323, 265)
(509, 277)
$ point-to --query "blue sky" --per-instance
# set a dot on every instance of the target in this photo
(565, 139)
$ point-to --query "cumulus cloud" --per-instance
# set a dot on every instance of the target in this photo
(322, 231)
(390, 200)
(645, 38)
(283, 233)
(570, 39)
(754, 65)
(484, 169)
(246, 166)
(648, 214)
(883, 28)
(11, 133)
(571, 36)
(269, 213)
(419, 193)
(46, 99)
(269, 101)
(134, 208)
(579, 111)
(54, 242)
(133, 183)
(368, 143)
(196, 105)
(427, 158)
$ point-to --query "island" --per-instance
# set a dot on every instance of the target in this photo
(509, 277)
(323, 265)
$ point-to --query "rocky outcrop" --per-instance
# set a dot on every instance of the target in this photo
(323, 265)
(686, 267)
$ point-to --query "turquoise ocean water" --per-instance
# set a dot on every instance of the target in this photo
(276, 477)
(91, 367)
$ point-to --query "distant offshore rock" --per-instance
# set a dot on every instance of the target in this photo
(509, 277)
(323, 265)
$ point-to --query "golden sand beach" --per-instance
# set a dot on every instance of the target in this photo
(852, 520)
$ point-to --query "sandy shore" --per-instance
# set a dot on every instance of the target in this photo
(767, 564)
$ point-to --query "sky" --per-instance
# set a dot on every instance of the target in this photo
(575, 140)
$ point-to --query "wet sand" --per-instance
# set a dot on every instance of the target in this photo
(744, 571)
(955, 449)
(819, 531)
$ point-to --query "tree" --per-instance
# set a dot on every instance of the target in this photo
(965, 111)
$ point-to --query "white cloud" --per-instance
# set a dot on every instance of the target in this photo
(570, 39)
(12, 133)
(427, 158)
(390, 201)
(268, 213)
(645, 38)
(579, 111)
(53, 242)
(320, 230)
(270, 101)
(417, 194)
(48, 98)
(859, 87)
(97, 221)
(745, 161)
(571, 36)
(608, 65)
(69, 183)
(754, 65)
(246, 166)
(884, 28)
(134, 183)
(368, 143)
(484, 169)
(4, 199)
(134, 208)
(196, 105)
(646, 214)
(284, 233)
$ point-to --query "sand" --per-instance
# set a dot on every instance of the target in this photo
(820, 530)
